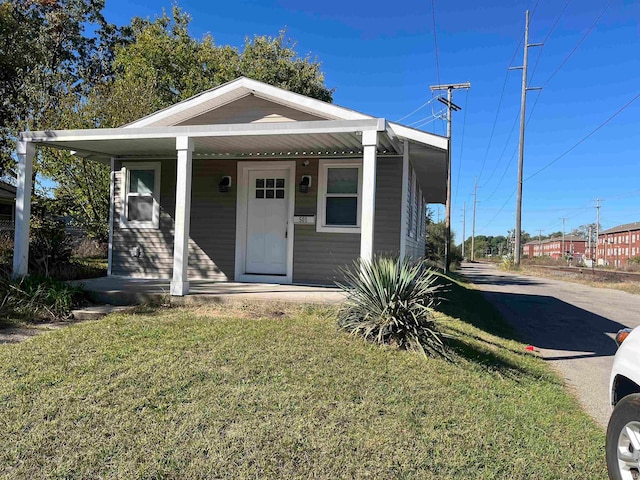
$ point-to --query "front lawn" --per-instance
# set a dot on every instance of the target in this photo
(277, 392)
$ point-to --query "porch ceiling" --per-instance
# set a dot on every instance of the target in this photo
(259, 140)
(299, 138)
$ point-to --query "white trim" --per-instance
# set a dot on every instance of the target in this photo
(26, 152)
(418, 136)
(242, 182)
(182, 217)
(404, 218)
(124, 192)
(323, 166)
(369, 165)
(112, 200)
(195, 131)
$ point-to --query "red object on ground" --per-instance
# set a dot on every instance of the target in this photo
(530, 348)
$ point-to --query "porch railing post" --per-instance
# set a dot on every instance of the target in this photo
(367, 222)
(180, 282)
(26, 152)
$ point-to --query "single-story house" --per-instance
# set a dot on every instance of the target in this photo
(248, 182)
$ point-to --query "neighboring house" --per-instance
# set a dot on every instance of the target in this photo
(7, 205)
(252, 183)
(555, 248)
(617, 245)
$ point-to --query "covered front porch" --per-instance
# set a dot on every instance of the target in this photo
(364, 139)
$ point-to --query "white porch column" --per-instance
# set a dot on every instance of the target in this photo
(180, 282)
(112, 185)
(404, 209)
(367, 222)
(26, 151)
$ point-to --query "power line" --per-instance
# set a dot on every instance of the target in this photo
(495, 120)
(433, 116)
(553, 27)
(620, 110)
(499, 210)
(584, 37)
(435, 38)
(417, 109)
(513, 127)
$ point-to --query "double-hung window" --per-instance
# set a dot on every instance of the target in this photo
(140, 195)
(339, 196)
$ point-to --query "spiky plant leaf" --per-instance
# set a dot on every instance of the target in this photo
(389, 301)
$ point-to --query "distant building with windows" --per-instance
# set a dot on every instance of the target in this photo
(617, 245)
(574, 246)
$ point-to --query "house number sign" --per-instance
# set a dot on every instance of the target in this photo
(304, 220)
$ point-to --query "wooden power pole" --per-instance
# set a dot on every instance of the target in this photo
(523, 107)
(449, 87)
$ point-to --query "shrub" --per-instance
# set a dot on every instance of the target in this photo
(38, 297)
(389, 301)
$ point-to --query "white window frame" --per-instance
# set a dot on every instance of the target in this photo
(323, 167)
(124, 194)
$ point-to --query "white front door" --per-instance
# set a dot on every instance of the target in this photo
(267, 222)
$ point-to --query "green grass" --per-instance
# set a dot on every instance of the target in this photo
(278, 392)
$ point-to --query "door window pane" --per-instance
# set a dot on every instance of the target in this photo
(141, 181)
(342, 211)
(140, 209)
(342, 180)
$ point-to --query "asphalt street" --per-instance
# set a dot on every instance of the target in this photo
(571, 325)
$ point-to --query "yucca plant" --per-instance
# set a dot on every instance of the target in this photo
(389, 301)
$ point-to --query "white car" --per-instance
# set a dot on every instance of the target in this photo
(623, 432)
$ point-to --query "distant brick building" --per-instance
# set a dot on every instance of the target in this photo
(619, 244)
(552, 247)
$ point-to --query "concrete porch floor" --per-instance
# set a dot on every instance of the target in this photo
(116, 290)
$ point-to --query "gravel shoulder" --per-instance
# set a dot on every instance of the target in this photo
(572, 326)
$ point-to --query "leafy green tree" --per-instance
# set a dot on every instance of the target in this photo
(435, 240)
(46, 58)
(160, 66)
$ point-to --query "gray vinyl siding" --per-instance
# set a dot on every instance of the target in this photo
(250, 109)
(386, 238)
(156, 245)
(317, 256)
(213, 226)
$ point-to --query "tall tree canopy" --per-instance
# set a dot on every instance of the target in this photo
(52, 53)
(158, 65)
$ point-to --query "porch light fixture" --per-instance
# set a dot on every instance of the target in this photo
(305, 183)
(225, 184)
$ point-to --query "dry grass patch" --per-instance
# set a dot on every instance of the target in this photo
(276, 391)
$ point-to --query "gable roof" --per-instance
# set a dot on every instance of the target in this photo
(627, 227)
(236, 89)
(241, 87)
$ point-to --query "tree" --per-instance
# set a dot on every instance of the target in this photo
(160, 66)
(435, 240)
(46, 58)
(583, 231)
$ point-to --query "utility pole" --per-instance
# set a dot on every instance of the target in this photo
(464, 225)
(598, 228)
(563, 226)
(473, 224)
(590, 251)
(450, 87)
(523, 107)
(540, 242)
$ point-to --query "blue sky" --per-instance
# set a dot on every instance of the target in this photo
(380, 59)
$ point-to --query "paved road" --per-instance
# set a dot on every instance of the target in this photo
(572, 325)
